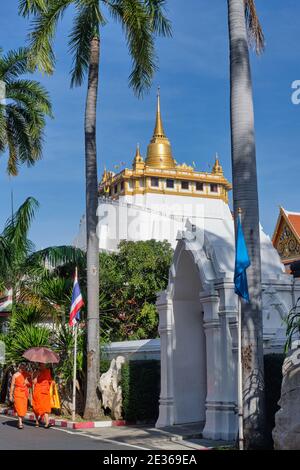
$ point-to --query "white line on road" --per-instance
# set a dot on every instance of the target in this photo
(103, 439)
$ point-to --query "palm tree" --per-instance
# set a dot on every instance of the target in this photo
(244, 25)
(141, 20)
(22, 112)
(20, 266)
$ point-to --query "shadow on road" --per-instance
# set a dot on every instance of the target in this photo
(13, 423)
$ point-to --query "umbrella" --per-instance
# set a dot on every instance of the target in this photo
(41, 354)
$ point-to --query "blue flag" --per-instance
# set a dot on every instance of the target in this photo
(242, 262)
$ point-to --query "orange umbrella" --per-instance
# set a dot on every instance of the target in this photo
(41, 354)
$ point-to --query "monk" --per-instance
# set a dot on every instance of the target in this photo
(41, 395)
(19, 392)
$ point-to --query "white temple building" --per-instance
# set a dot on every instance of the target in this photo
(155, 198)
(160, 199)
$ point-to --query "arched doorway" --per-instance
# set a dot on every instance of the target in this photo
(189, 349)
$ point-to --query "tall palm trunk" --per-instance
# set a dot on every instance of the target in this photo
(93, 360)
(245, 196)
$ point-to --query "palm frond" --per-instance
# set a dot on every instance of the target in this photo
(26, 315)
(31, 7)
(161, 25)
(3, 136)
(135, 21)
(12, 163)
(86, 26)
(31, 94)
(55, 256)
(22, 117)
(42, 35)
(255, 32)
(24, 338)
(13, 64)
(20, 140)
(17, 227)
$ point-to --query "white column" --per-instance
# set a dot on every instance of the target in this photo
(219, 411)
(228, 317)
(166, 402)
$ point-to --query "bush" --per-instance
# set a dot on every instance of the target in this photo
(273, 378)
(104, 365)
(141, 389)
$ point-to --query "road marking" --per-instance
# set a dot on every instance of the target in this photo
(103, 439)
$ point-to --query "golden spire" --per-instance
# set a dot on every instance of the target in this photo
(138, 162)
(159, 153)
(158, 130)
(217, 169)
(138, 157)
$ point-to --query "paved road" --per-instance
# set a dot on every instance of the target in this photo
(31, 438)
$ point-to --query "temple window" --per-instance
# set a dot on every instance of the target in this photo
(122, 185)
(142, 184)
(116, 188)
(154, 182)
(213, 188)
(199, 186)
(130, 186)
(185, 185)
(170, 183)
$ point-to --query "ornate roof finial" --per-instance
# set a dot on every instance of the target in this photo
(217, 169)
(159, 154)
(138, 156)
(138, 162)
(158, 130)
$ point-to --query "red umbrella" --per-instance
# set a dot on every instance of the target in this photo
(41, 354)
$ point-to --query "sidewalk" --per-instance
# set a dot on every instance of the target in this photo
(66, 423)
(187, 437)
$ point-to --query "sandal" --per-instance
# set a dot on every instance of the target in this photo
(48, 426)
(20, 426)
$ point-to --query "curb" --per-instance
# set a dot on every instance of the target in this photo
(64, 423)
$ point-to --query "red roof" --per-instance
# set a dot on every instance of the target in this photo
(294, 219)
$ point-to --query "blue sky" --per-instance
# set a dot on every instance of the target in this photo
(194, 81)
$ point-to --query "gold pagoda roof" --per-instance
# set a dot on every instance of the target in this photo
(159, 152)
(160, 165)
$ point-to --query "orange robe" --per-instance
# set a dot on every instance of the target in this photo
(21, 394)
(41, 393)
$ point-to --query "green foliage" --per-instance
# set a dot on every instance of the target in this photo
(104, 365)
(141, 389)
(23, 113)
(292, 325)
(273, 378)
(129, 283)
(16, 245)
(29, 274)
(141, 21)
(24, 338)
(25, 315)
(62, 342)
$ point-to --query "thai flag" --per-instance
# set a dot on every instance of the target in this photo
(77, 303)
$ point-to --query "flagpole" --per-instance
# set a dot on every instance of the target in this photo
(240, 368)
(74, 373)
(240, 378)
(74, 366)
